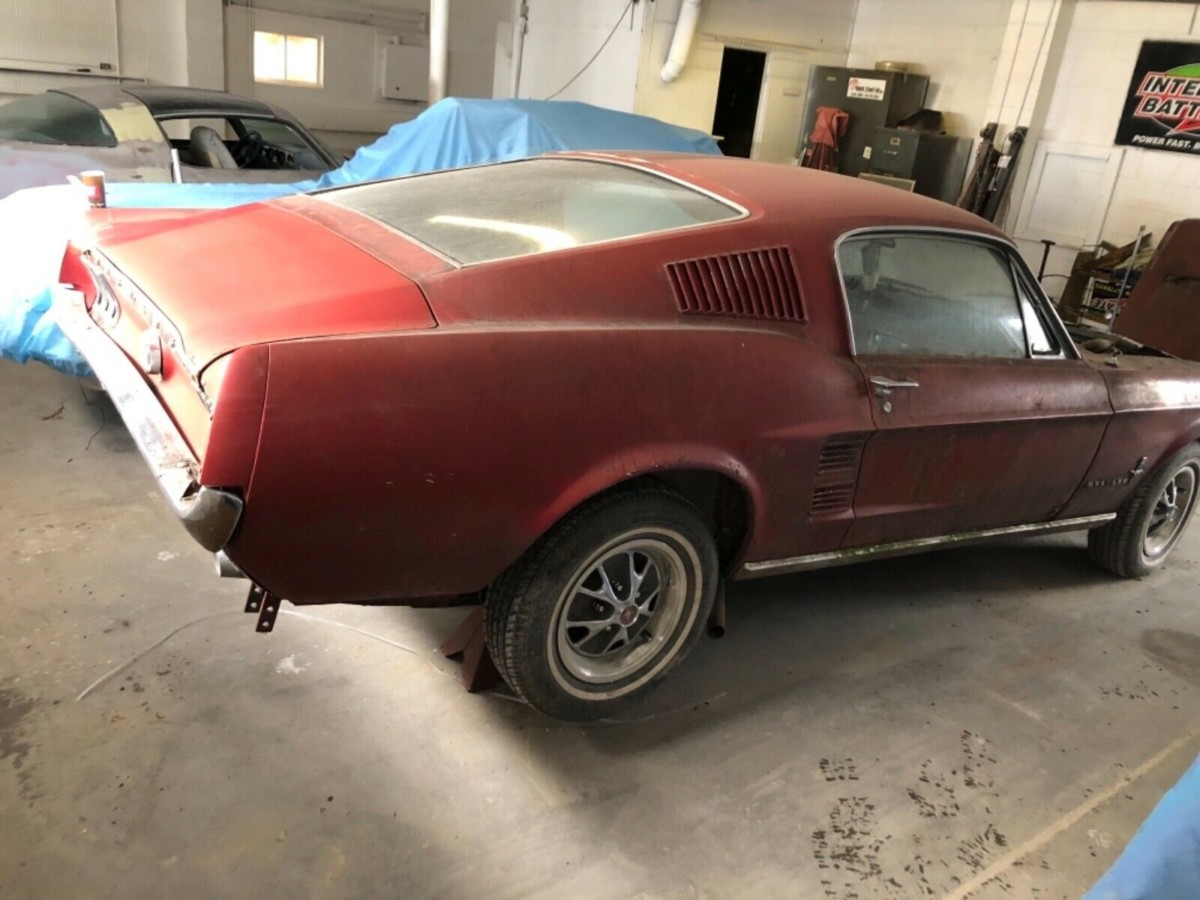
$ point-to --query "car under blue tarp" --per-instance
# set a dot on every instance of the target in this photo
(1163, 858)
(449, 135)
(35, 223)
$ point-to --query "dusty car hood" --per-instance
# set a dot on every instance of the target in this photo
(254, 274)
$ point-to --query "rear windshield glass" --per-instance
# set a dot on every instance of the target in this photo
(52, 118)
(533, 206)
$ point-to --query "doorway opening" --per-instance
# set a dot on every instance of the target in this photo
(738, 94)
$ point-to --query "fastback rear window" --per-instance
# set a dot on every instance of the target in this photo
(532, 206)
(53, 118)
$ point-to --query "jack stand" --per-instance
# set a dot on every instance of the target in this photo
(478, 671)
(266, 605)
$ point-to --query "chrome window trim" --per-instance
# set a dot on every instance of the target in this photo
(1006, 247)
(742, 213)
(1042, 302)
(915, 545)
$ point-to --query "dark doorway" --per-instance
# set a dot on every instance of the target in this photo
(737, 100)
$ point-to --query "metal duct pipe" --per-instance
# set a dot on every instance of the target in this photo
(681, 43)
(518, 47)
(439, 48)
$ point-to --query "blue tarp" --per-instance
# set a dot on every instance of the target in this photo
(449, 135)
(1163, 859)
(35, 224)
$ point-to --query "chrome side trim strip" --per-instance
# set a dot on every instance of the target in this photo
(900, 548)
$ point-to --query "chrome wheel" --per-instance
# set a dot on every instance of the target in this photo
(620, 609)
(1170, 514)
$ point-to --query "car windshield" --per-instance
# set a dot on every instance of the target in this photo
(53, 118)
(533, 206)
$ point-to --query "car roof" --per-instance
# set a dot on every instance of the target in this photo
(825, 204)
(168, 101)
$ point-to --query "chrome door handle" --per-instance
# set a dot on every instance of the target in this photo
(884, 386)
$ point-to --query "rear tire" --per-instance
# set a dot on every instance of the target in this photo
(603, 607)
(1152, 521)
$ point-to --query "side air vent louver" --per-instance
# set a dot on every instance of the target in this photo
(841, 455)
(833, 499)
(837, 475)
(756, 284)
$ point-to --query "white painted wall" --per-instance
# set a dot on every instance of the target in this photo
(563, 35)
(1153, 187)
(956, 43)
(1084, 95)
(795, 35)
(348, 110)
(165, 41)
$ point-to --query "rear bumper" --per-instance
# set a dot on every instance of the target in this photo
(210, 515)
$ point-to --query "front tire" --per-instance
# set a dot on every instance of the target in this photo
(602, 608)
(1152, 521)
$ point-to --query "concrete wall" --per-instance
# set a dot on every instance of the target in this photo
(348, 110)
(795, 35)
(957, 44)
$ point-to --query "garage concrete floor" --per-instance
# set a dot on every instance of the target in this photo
(994, 721)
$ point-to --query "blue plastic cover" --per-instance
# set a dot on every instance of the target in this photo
(449, 135)
(35, 225)
(1163, 859)
(456, 133)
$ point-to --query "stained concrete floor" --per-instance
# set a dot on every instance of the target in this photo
(995, 720)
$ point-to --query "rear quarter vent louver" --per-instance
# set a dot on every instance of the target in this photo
(754, 284)
(837, 475)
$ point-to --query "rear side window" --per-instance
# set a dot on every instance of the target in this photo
(931, 296)
(53, 118)
(533, 206)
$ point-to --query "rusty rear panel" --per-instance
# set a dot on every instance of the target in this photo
(177, 387)
(467, 444)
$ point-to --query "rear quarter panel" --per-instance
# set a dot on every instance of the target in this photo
(422, 464)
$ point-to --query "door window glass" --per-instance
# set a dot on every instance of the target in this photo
(922, 295)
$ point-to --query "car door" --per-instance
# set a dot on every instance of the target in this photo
(985, 415)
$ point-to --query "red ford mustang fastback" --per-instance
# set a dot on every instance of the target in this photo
(585, 389)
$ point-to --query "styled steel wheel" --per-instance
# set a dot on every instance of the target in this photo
(619, 611)
(1170, 514)
(1150, 524)
(604, 606)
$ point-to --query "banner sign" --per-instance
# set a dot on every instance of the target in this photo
(1162, 109)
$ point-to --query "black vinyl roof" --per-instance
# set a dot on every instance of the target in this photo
(162, 100)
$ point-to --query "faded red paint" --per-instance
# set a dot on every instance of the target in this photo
(391, 459)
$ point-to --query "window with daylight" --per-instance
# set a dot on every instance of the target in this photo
(287, 59)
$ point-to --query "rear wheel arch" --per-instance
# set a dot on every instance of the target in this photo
(727, 503)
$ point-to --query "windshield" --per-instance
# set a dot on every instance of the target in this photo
(533, 206)
(53, 118)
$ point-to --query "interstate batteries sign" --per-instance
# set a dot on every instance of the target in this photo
(1162, 109)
